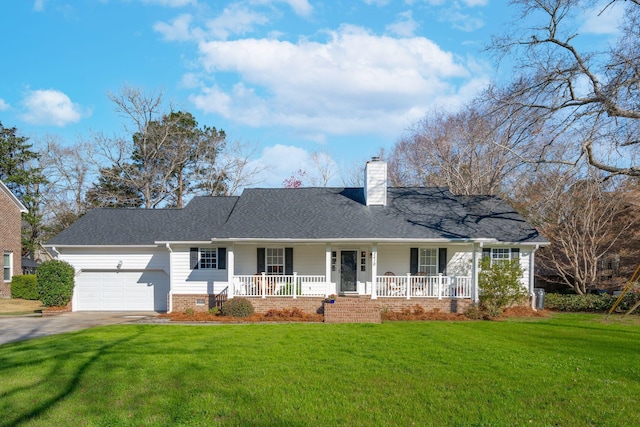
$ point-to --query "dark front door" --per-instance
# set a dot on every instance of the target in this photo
(348, 269)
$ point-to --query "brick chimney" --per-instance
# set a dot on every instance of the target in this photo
(375, 182)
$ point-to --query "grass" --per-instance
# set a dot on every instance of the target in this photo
(14, 306)
(569, 369)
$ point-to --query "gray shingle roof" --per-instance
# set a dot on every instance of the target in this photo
(198, 221)
(306, 214)
(341, 213)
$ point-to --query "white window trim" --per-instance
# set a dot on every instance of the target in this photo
(214, 258)
(502, 250)
(421, 266)
(268, 262)
(9, 267)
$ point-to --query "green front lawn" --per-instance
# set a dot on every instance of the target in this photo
(567, 370)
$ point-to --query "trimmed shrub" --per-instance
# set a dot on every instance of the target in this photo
(590, 302)
(25, 287)
(55, 283)
(237, 307)
(499, 286)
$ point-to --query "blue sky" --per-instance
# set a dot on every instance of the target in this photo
(291, 77)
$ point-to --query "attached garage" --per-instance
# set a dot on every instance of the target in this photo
(121, 291)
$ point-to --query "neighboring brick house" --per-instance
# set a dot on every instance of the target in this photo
(10, 238)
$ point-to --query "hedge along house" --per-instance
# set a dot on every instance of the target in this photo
(286, 248)
(11, 210)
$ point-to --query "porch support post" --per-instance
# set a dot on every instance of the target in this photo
(231, 272)
(294, 285)
(532, 277)
(264, 284)
(374, 271)
(408, 285)
(327, 270)
(474, 274)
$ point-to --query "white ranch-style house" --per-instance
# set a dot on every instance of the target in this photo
(293, 247)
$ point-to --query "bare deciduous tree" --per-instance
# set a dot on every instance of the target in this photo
(324, 169)
(164, 156)
(235, 166)
(468, 151)
(69, 171)
(583, 216)
(585, 100)
(141, 143)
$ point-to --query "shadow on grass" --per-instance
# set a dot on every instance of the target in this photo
(62, 359)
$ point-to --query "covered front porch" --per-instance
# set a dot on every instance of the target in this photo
(298, 286)
(376, 270)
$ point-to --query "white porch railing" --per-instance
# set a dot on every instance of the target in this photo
(424, 286)
(295, 285)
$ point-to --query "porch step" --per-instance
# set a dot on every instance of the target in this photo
(352, 310)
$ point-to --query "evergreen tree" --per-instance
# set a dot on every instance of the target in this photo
(20, 174)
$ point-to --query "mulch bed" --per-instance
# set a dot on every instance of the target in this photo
(293, 315)
(296, 315)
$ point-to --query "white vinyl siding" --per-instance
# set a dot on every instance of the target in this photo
(394, 259)
(105, 259)
(184, 280)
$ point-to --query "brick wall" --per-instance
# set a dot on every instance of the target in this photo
(184, 301)
(261, 305)
(453, 305)
(352, 310)
(310, 305)
(339, 310)
(10, 222)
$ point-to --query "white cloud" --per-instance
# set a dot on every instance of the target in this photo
(190, 81)
(38, 5)
(460, 20)
(405, 25)
(598, 20)
(376, 2)
(3, 105)
(171, 3)
(178, 30)
(50, 107)
(275, 170)
(297, 159)
(235, 19)
(300, 7)
(355, 82)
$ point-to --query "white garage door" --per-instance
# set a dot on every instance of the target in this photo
(122, 291)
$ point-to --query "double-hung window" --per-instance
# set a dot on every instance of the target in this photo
(208, 258)
(275, 261)
(500, 255)
(428, 261)
(7, 266)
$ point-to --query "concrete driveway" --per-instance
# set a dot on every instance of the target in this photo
(20, 328)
